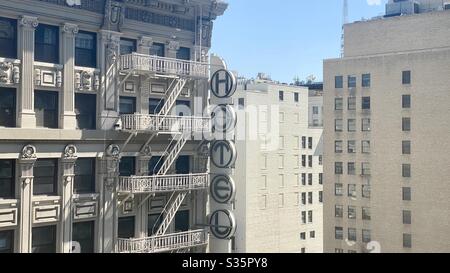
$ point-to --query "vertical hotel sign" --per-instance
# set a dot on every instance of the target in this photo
(223, 157)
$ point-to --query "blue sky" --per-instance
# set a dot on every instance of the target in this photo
(284, 38)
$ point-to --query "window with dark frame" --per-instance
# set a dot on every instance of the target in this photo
(155, 106)
(44, 239)
(406, 77)
(338, 169)
(84, 234)
(406, 194)
(407, 240)
(338, 82)
(86, 49)
(7, 241)
(407, 217)
(45, 177)
(365, 80)
(127, 105)
(8, 38)
(7, 178)
(351, 81)
(85, 111)
(127, 166)
(339, 233)
(351, 103)
(296, 97)
(84, 181)
(352, 234)
(365, 104)
(338, 104)
(184, 53)
(127, 46)
(406, 147)
(158, 49)
(7, 107)
(406, 101)
(154, 222)
(406, 124)
(406, 170)
(46, 109)
(281, 95)
(47, 44)
(126, 227)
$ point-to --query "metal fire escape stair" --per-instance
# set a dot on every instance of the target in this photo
(174, 91)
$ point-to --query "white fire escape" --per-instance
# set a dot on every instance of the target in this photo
(181, 128)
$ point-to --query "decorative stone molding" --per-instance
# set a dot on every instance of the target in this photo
(173, 45)
(48, 75)
(28, 152)
(70, 151)
(28, 21)
(145, 41)
(147, 151)
(9, 71)
(113, 151)
(70, 29)
(87, 79)
(114, 15)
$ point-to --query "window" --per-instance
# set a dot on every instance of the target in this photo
(406, 170)
(312, 234)
(86, 49)
(184, 53)
(351, 146)
(365, 168)
(303, 236)
(84, 234)
(46, 108)
(338, 211)
(85, 110)
(155, 106)
(84, 176)
(338, 233)
(338, 104)
(304, 179)
(338, 168)
(127, 46)
(365, 125)
(310, 161)
(281, 95)
(366, 237)
(351, 101)
(303, 142)
(310, 143)
(338, 146)
(406, 124)
(304, 200)
(352, 234)
(406, 147)
(407, 240)
(365, 80)
(45, 177)
(406, 194)
(310, 215)
(303, 217)
(127, 166)
(154, 222)
(351, 170)
(351, 212)
(8, 38)
(310, 198)
(320, 178)
(366, 214)
(296, 97)
(365, 146)
(7, 105)
(47, 44)
(315, 110)
(183, 164)
(339, 82)
(366, 191)
(320, 196)
(352, 190)
(44, 239)
(406, 77)
(320, 160)
(158, 49)
(406, 101)
(303, 250)
(127, 105)
(351, 81)
(241, 103)
(303, 160)
(125, 228)
(338, 125)
(7, 179)
(182, 223)
(338, 189)
(281, 161)
(310, 179)
(351, 125)
(407, 217)
(6, 238)
(365, 103)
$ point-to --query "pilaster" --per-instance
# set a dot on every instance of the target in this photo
(172, 48)
(68, 176)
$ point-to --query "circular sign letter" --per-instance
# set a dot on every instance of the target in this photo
(223, 154)
(223, 84)
(222, 224)
(223, 189)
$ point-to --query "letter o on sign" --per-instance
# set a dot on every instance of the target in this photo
(222, 224)
(223, 154)
(223, 84)
(223, 189)
(224, 118)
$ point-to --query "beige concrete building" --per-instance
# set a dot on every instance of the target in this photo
(386, 133)
(102, 125)
(278, 172)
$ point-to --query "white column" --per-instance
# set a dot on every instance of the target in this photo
(68, 95)
(68, 175)
(27, 25)
(144, 45)
(142, 211)
(26, 164)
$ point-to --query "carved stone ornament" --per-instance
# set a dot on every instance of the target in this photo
(28, 22)
(70, 151)
(173, 45)
(113, 150)
(147, 151)
(114, 15)
(70, 28)
(145, 41)
(28, 152)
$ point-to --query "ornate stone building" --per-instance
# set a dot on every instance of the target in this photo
(102, 125)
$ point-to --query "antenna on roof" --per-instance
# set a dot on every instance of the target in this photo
(344, 21)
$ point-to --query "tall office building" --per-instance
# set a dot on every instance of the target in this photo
(386, 134)
(102, 125)
(278, 174)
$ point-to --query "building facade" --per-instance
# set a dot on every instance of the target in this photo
(386, 134)
(102, 125)
(278, 172)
